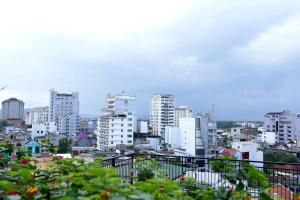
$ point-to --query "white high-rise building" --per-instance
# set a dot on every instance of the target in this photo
(182, 112)
(162, 113)
(197, 136)
(116, 124)
(37, 115)
(12, 109)
(285, 125)
(64, 110)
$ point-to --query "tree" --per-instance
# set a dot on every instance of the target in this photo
(279, 156)
(64, 146)
(48, 146)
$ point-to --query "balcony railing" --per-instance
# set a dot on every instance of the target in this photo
(285, 175)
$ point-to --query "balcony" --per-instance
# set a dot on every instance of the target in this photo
(287, 176)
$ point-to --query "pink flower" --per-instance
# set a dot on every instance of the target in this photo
(24, 161)
(181, 179)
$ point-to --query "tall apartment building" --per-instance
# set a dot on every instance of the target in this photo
(116, 123)
(195, 135)
(182, 112)
(162, 113)
(64, 110)
(13, 111)
(285, 125)
(37, 115)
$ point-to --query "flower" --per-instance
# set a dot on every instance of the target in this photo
(248, 197)
(59, 157)
(24, 161)
(13, 193)
(1, 155)
(231, 190)
(32, 191)
(104, 195)
(181, 179)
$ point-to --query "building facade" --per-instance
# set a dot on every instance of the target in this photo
(64, 111)
(285, 125)
(13, 112)
(162, 113)
(116, 124)
(88, 125)
(12, 109)
(196, 136)
(43, 129)
(37, 115)
(182, 112)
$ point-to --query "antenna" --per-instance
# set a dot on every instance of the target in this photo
(212, 110)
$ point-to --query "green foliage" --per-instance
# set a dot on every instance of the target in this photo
(279, 156)
(226, 124)
(147, 169)
(76, 179)
(64, 146)
(48, 146)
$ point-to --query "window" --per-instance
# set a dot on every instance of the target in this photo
(129, 119)
(112, 142)
(37, 150)
(121, 136)
(245, 155)
(129, 141)
(130, 125)
(129, 130)
(129, 135)
(121, 130)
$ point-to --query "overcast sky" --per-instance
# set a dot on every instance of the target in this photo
(241, 55)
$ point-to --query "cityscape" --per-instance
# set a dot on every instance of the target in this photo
(150, 100)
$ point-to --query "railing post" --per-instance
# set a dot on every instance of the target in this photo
(113, 162)
(132, 168)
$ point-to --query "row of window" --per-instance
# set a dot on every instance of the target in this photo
(128, 130)
(129, 141)
(121, 136)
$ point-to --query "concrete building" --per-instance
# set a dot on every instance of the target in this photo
(37, 115)
(285, 125)
(43, 129)
(182, 112)
(248, 151)
(116, 124)
(206, 135)
(267, 137)
(13, 111)
(64, 111)
(142, 127)
(197, 136)
(88, 125)
(162, 113)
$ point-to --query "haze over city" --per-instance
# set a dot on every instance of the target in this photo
(240, 56)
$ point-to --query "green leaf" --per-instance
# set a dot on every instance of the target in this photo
(240, 186)
(25, 175)
(7, 186)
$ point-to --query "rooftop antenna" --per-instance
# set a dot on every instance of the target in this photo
(212, 110)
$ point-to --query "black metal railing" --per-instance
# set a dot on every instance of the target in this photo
(283, 178)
